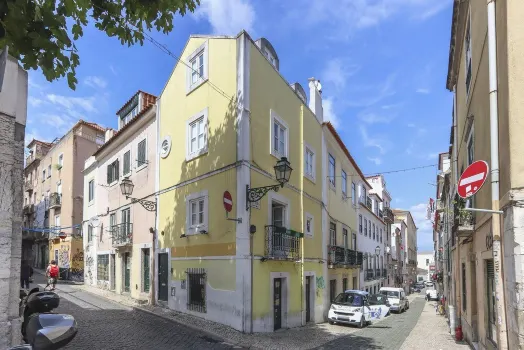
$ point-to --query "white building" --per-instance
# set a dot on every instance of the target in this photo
(425, 264)
(370, 242)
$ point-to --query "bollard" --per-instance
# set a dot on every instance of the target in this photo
(452, 322)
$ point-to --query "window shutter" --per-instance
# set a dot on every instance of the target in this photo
(490, 269)
(117, 166)
(141, 152)
(109, 174)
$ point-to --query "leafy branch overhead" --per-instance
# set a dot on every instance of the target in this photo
(42, 33)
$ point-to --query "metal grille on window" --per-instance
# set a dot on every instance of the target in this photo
(141, 159)
(196, 294)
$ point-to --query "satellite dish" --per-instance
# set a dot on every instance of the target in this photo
(318, 86)
(94, 221)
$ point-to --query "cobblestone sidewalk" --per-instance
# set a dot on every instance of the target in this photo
(432, 333)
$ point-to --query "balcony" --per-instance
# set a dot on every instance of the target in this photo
(29, 209)
(122, 234)
(464, 222)
(343, 257)
(55, 200)
(282, 243)
(28, 185)
(370, 274)
(389, 217)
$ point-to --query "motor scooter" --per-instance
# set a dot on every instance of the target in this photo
(42, 329)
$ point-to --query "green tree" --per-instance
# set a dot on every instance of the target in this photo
(42, 33)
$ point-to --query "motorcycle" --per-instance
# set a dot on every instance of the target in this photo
(42, 329)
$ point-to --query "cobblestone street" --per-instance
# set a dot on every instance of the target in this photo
(106, 324)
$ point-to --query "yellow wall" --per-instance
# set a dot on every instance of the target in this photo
(220, 273)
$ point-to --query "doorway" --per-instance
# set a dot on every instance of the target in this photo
(308, 299)
(163, 266)
(332, 290)
(355, 283)
(127, 272)
(277, 303)
(113, 272)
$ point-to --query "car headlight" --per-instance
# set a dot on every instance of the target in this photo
(333, 307)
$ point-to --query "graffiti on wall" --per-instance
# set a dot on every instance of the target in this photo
(320, 285)
(77, 266)
(63, 257)
(89, 266)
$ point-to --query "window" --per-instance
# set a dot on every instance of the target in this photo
(279, 136)
(127, 163)
(112, 172)
(141, 152)
(57, 220)
(345, 237)
(427, 262)
(331, 170)
(464, 294)
(197, 135)
(127, 117)
(196, 293)
(126, 221)
(102, 267)
(353, 193)
(380, 235)
(354, 243)
(197, 213)
(363, 194)
(490, 290)
(344, 284)
(344, 184)
(89, 233)
(373, 231)
(91, 190)
(197, 70)
(360, 223)
(112, 220)
(309, 224)
(49, 170)
(332, 234)
(60, 161)
(471, 146)
(43, 175)
(309, 164)
(365, 227)
(467, 46)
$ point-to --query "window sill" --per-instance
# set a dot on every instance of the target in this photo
(128, 174)
(196, 85)
(140, 168)
(113, 183)
(196, 231)
(90, 203)
(310, 178)
(332, 187)
(277, 155)
(190, 157)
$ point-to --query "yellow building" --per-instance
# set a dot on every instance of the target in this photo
(343, 178)
(226, 116)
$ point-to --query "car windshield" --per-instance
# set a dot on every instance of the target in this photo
(390, 294)
(378, 299)
(349, 299)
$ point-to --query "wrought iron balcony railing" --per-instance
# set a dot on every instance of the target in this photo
(29, 209)
(370, 274)
(282, 243)
(369, 203)
(55, 200)
(343, 256)
(28, 185)
(122, 234)
(389, 217)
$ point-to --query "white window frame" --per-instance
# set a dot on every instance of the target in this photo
(61, 160)
(44, 175)
(331, 178)
(90, 200)
(275, 118)
(308, 149)
(190, 229)
(145, 153)
(353, 193)
(202, 49)
(309, 217)
(192, 155)
(344, 183)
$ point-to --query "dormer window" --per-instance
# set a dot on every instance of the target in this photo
(268, 51)
(127, 118)
(270, 57)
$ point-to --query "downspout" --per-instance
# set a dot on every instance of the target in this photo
(154, 239)
(302, 250)
(502, 338)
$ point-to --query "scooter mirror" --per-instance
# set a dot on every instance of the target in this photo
(50, 331)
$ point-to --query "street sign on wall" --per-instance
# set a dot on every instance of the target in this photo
(472, 179)
(228, 201)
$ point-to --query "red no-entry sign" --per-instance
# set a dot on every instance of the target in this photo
(472, 179)
(228, 201)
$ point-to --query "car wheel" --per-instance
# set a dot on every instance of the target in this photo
(362, 322)
(331, 322)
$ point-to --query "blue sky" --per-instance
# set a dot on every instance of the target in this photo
(382, 64)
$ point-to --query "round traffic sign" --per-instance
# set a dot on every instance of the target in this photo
(472, 179)
(62, 235)
(228, 201)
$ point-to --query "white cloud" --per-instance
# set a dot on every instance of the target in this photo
(376, 142)
(375, 160)
(95, 82)
(71, 103)
(337, 72)
(423, 91)
(373, 118)
(329, 113)
(372, 94)
(227, 17)
(35, 102)
(425, 227)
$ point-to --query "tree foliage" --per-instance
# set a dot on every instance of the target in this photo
(42, 33)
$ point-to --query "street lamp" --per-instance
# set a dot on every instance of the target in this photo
(126, 187)
(377, 250)
(282, 174)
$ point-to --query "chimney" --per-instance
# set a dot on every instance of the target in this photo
(315, 98)
(109, 133)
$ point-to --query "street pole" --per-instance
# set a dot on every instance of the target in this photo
(502, 339)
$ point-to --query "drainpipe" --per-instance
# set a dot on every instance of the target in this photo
(502, 339)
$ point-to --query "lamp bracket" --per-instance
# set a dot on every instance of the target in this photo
(256, 193)
(148, 205)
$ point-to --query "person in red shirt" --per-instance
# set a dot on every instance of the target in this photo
(52, 274)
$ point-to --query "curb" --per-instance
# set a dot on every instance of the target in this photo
(195, 328)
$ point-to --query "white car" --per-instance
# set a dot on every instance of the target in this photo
(397, 298)
(432, 294)
(352, 307)
(428, 284)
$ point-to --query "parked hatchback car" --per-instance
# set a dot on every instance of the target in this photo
(397, 298)
(353, 307)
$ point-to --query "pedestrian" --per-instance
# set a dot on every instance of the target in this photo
(427, 296)
(25, 274)
(51, 274)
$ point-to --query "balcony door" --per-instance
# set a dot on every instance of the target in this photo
(279, 243)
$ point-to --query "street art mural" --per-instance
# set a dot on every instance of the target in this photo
(77, 266)
(63, 257)
(320, 285)
(88, 269)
